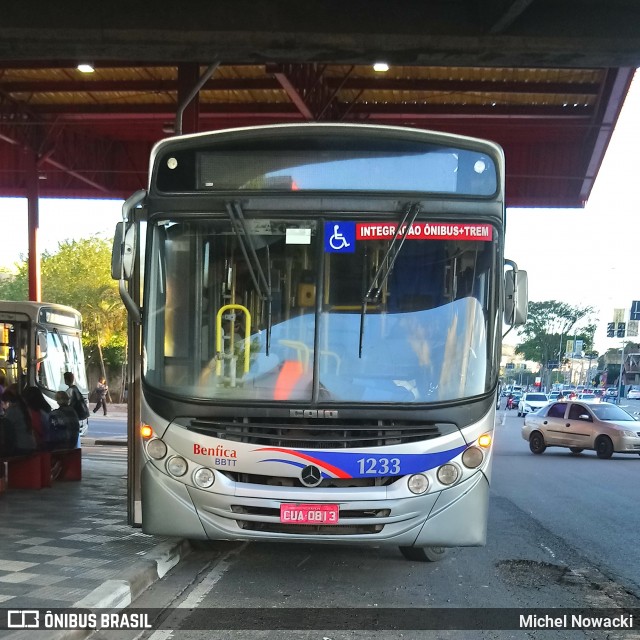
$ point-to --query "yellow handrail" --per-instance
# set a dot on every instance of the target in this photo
(247, 332)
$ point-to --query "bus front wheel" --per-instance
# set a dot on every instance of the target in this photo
(423, 554)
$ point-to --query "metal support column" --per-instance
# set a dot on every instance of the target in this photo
(32, 190)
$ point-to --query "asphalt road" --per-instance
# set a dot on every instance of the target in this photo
(562, 533)
(109, 427)
(591, 504)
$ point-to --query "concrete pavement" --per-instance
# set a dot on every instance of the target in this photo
(69, 546)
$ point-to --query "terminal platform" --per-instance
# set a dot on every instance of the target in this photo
(69, 545)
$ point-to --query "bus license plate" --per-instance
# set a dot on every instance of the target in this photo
(309, 513)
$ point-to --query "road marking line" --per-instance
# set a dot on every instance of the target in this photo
(197, 595)
(161, 634)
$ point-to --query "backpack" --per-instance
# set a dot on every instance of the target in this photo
(79, 404)
(83, 410)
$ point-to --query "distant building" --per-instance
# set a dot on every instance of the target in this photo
(630, 369)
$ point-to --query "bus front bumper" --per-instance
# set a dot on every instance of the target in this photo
(453, 517)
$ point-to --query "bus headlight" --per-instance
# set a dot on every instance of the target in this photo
(472, 457)
(204, 477)
(156, 449)
(448, 473)
(177, 466)
(418, 483)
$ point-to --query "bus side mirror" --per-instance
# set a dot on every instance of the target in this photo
(123, 252)
(515, 297)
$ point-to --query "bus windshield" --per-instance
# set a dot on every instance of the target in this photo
(278, 312)
(64, 353)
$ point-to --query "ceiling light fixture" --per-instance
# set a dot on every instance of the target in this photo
(85, 67)
(381, 67)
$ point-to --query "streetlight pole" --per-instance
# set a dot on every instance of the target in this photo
(560, 360)
(573, 353)
(621, 372)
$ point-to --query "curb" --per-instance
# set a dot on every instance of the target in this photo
(120, 442)
(118, 594)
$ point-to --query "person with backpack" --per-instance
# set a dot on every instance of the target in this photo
(76, 399)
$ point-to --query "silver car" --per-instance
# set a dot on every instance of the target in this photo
(600, 426)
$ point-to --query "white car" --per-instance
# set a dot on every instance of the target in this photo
(588, 397)
(633, 393)
(532, 402)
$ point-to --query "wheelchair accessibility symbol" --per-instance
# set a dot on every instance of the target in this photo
(339, 237)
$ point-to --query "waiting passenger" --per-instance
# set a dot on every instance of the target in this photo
(16, 433)
(64, 426)
(39, 411)
(3, 384)
(76, 399)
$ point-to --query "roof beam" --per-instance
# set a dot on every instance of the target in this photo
(603, 33)
(277, 109)
(17, 127)
(284, 75)
(306, 86)
(77, 175)
(280, 79)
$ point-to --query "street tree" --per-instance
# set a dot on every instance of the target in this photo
(549, 325)
(78, 274)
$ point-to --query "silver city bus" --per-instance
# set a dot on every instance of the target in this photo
(315, 335)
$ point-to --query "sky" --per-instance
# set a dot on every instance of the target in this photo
(584, 257)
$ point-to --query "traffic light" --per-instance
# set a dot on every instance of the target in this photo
(621, 327)
(611, 329)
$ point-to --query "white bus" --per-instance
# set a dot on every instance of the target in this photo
(320, 341)
(39, 341)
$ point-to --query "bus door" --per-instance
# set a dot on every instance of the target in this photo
(14, 356)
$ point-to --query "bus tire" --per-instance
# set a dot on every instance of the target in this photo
(536, 443)
(423, 554)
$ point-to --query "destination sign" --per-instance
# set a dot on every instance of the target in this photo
(425, 231)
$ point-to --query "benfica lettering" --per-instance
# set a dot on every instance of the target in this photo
(425, 231)
(217, 452)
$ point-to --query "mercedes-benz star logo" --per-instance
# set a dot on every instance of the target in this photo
(311, 476)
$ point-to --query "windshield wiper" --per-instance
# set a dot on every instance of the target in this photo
(386, 264)
(240, 227)
(65, 348)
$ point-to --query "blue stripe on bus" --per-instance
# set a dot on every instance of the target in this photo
(366, 464)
